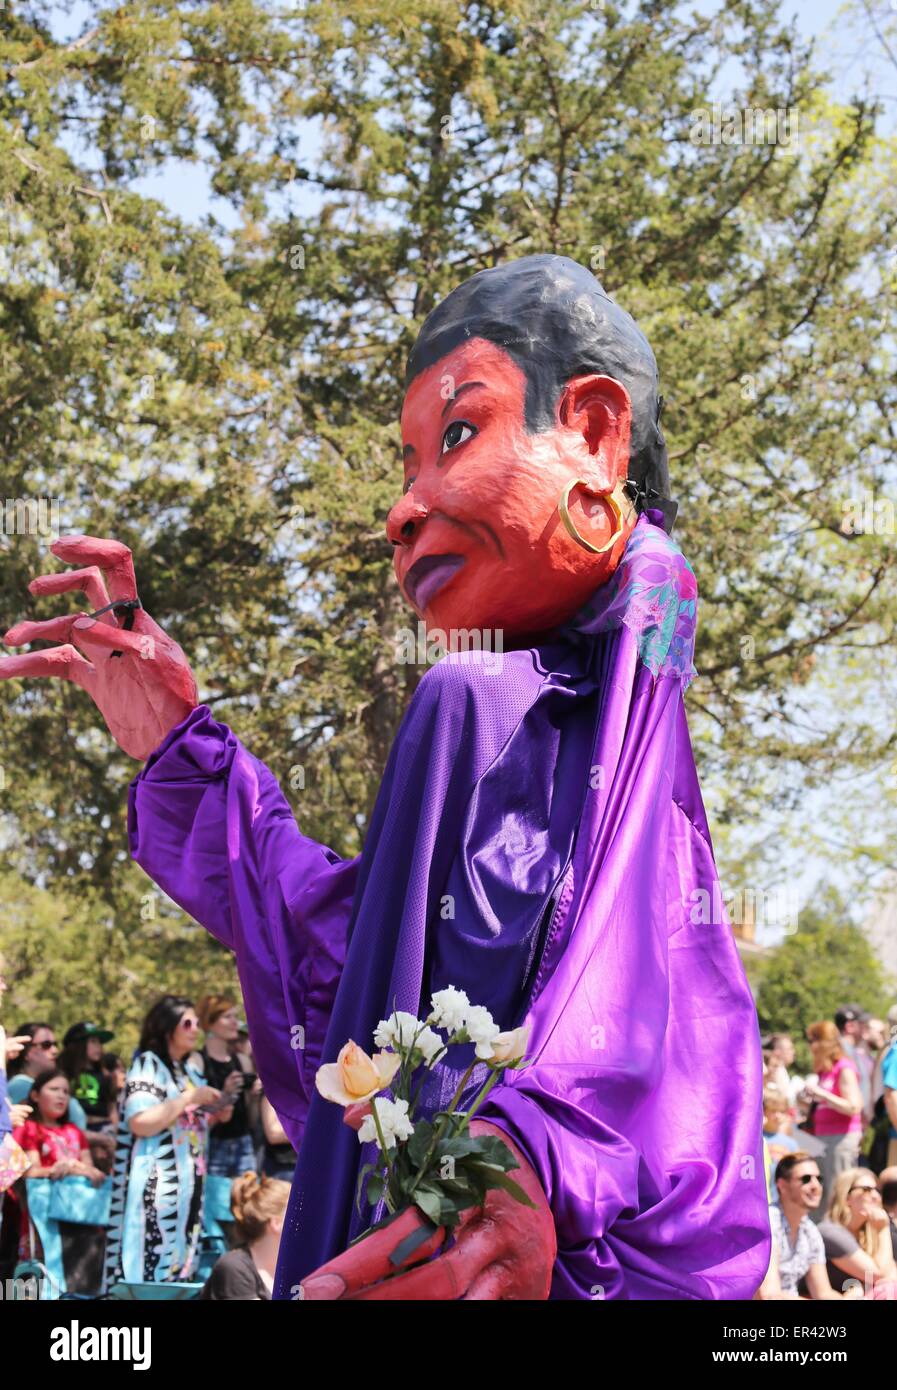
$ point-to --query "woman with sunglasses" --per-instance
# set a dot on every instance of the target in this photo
(856, 1233)
(156, 1213)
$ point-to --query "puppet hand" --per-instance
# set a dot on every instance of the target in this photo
(141, 693)
(502, 1250)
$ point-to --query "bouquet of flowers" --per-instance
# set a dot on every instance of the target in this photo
(434, 1164)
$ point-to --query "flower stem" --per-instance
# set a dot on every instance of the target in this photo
(442, 1128)
(479, 1100)
(385, 1152)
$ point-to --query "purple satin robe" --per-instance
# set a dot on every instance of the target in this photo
(539, 840)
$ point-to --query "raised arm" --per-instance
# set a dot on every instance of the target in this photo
(206, 820)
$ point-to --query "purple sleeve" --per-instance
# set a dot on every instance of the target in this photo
(210, 825)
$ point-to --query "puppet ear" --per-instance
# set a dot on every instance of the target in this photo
(599, 410)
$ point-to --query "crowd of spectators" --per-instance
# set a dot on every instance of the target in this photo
(830, 1145)
(141, 1155)
(144, 1154)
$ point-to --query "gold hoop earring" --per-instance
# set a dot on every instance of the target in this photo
(609, 498)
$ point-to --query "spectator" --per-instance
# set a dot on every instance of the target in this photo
(247, 1273)
(231, 1150)
(778, 1142)
(797, 1250)
(12, 1157)
(40, 1054)
(889, 1090)
(837, 1102)
(889, 1035)
(156, 1214)
(243, 1044)
(280, 1156)
(56, 1148)
(781, 1057)
(851, 1022)
(117, 1073)
(856, 1233)
(887, 1186)
(13, 1160)
(82, 1049)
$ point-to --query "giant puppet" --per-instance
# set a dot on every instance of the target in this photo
(550, 796)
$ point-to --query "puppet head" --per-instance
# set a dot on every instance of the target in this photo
(531, 434)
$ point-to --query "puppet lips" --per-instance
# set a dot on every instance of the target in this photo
(428, 574)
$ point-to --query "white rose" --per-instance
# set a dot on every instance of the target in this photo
(430, 1044)
(396, 1030)
(399, 1031)
(394, 1123)
(481, 1029)
(449, 1009)
(509, 1047)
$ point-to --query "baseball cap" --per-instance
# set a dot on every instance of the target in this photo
(851, 1013)
(80, 1032)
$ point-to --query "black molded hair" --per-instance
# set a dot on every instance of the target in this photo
(554, 320)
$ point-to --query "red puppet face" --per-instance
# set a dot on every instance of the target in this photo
(479, 541)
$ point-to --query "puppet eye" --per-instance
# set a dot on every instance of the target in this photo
(455, 435)
(409, 484)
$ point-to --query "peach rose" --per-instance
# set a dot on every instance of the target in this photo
(355, 1076)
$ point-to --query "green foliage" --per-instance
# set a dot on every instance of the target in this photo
(828, 963)
(68, 957)
(224, 397)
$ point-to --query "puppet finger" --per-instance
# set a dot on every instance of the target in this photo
(66, 663)
(113, 558)
(53, 630)
(362, 1264)
(89, 581)
(94, 637)
(443, 1279)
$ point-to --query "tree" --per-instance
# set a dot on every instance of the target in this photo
(826, 964)
(223, 397)
(68, 957)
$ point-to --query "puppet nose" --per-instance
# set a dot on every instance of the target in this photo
(405, 520)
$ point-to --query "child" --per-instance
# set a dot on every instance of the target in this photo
(55, 1147)
(776, 1139)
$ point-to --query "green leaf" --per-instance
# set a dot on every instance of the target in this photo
(430, 1203)
(494, 1178)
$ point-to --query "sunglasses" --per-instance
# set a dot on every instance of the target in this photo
(188, 1023)
(45, 1046)
(809, 1177)
(862, 1187)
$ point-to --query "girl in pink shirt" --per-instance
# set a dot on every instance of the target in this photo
(838, 1117)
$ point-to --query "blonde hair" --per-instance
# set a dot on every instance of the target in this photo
(839, 1207)
(211, 1007)
(825, 1045)
(774, 1099)
(254, 1202)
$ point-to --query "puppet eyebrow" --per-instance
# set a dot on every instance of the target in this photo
(468, 386)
